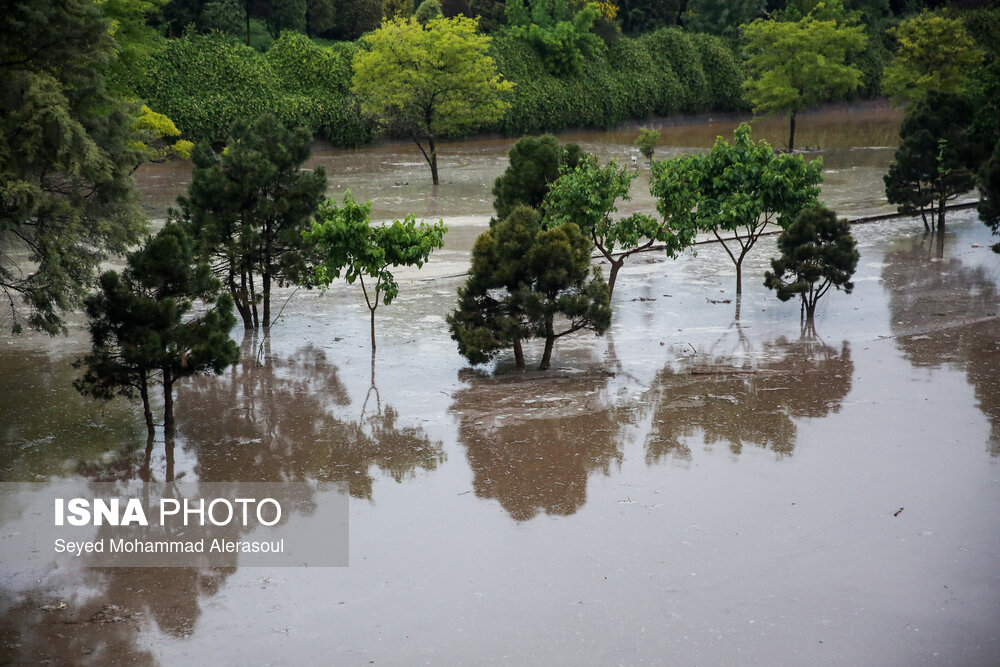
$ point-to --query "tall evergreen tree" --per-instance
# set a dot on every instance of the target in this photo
(248, 207)
(534, 165)
(67, 152)
(142, 330)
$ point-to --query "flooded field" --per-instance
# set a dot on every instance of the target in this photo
(688, 489)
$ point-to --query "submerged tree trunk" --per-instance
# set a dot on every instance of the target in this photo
(613, 275)
(550, 341)
(791, 131)
(434, 160)
(239, 295)
(168, 405)
(267, 300)
(147, 412)
(518, 353)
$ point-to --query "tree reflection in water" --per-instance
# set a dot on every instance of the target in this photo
(753, 402)
(284, 420)
(532, 444)
(281, 420)
(943, 311)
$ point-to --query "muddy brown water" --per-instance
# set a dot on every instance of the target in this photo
(688, 489)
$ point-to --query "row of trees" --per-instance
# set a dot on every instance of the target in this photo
(557, 207)
(253, 219)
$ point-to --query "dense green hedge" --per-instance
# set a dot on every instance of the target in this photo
(205, 82)
(658, 74)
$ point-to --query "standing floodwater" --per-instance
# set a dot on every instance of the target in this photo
(687, 489)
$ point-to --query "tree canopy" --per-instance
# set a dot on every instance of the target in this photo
(792, 65)
(247, 208)
(349, 245)
(936, 159)
(522, 277)
(141, 328)
(534, 165)
(587, 196)
(736, 190)
(67, 152)
(935, 53)
(431, 81)
(817, 253)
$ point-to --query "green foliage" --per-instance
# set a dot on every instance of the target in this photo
(205, 83)
(817, 253)
(349, 245)
(67, 151)
(935, 53)
(989, 193)
(429, 81)
(490, 12)
(141, 329)
(521, 277)
(248, 208)
(646, 142)
(637, 16)
(136, 42)
(398, 9)
(587, 196)
(559, 30)
(721, 17)
(736, 190)
(794, 65)
(936, 159)
(428, 9)
(658, 74)
(356, 18)
(534, 164)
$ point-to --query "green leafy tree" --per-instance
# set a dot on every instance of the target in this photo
(522, 277)
(817, 253)
(427, 10)
(429, 81)
(534, 165)
(935, 53)
(559, 30)
(646, 142)
(398, 9)
(248, 206)
(357, 17)
(936, 159)
(67, 152)
(792, 66)
(721, 17)
(587, 196)
(142, 329)
(736, 190)
(351, 247)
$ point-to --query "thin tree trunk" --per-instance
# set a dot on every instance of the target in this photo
(791, 131)
(240, 299)
(168, 405)
(147, 412)
(267, 300)
(434, 160)
(613, 275)
(253, 301)
(518, 353)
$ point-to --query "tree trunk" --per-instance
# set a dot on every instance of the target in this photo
(146, 411)
(372, 311)
(518, 353)
(613, 276)
(739, 276)
(550, 341)
(240, 299)
(791, 131)
(267, 300)
(168, 405)
(253, 301)
(433, 160)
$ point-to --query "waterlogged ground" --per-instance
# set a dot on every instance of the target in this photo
(689, 489)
